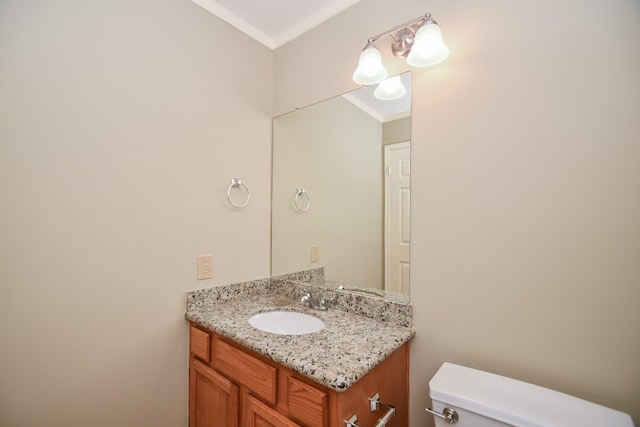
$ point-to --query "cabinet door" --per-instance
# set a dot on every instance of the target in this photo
(260, 415)
(213, 399)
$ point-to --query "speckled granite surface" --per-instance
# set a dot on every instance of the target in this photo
(374, 303)
(314, 276)
(348, 347)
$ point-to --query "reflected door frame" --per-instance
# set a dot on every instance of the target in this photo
(397, 201)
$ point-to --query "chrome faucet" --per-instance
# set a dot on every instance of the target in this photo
(309, 301)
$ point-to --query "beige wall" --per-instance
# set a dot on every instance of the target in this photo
(396, 131)
(526, 206)
(121, 123)
(333, 150)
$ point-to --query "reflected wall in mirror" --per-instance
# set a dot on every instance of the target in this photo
(341, 191)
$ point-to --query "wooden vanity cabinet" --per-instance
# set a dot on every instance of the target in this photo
(231, 386)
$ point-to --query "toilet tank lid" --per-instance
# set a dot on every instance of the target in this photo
(517, 403)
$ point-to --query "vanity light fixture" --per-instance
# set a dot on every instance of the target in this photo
(419, 40)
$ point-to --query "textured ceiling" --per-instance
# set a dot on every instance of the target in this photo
(275, 22)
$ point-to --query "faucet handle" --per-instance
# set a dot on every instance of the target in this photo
(325, 301)
(318, 304)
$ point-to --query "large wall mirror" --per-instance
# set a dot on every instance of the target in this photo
(341, 190)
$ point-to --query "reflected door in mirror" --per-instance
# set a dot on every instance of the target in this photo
(397, 216)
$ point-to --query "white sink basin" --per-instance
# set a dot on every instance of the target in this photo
(286, 322)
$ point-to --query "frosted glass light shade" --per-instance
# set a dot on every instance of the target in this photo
(370, 69)
(390, 89)
(428, 48)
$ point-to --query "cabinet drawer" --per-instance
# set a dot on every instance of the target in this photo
(245, 369)
(306, 403)
(199, 343)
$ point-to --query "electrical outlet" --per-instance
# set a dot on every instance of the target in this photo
(314, 253)
(205, 267)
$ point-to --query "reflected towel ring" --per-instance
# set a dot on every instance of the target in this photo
(236, 183)
(300, 192)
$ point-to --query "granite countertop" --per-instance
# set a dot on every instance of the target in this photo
(348, 347)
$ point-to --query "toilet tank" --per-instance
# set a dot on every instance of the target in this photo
(482, 399)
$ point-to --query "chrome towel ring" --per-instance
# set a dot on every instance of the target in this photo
(237, 183)
(301, 192)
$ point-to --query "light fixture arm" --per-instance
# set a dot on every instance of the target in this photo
(420, 19)
(402, 36)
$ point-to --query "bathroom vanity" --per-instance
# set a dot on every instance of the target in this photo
(242, 376)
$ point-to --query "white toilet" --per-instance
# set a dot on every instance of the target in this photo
(481, 399)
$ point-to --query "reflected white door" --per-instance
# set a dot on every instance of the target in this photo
(397, 216)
